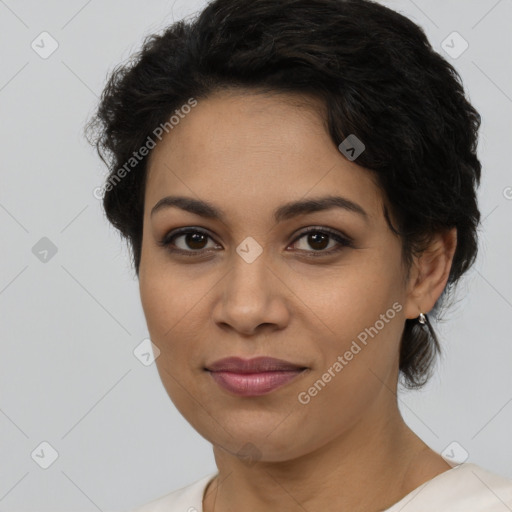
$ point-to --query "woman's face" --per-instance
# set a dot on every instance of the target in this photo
(249, 285)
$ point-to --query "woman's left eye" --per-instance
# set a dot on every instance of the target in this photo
(317, 238)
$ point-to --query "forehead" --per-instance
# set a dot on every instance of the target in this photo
(252, 150)
(233, 125)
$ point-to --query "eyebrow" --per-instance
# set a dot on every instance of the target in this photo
(284, 212)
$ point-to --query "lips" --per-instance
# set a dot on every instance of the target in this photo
(253, 377)
(255, 365)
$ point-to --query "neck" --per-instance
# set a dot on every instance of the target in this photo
(367, 468)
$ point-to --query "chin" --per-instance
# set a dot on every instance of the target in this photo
(260, 441)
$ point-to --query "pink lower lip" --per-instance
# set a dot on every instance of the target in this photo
(254, 384)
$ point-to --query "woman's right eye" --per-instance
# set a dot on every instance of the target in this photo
(193, 241)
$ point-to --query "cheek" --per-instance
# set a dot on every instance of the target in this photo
(166, 308)
(354, 368)
(351, 297)
(171, 314)
(361, 315)
(177, 314)
(168, 294)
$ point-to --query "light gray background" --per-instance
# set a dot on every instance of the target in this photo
(68, 375)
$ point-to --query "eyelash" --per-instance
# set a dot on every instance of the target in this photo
(342, 240)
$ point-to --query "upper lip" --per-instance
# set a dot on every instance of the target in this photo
(255, 365)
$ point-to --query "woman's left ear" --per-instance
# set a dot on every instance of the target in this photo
(429, 273)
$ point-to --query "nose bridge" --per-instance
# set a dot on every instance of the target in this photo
(249, 272)
(251, 293)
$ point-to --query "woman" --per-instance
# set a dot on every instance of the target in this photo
(296, 180)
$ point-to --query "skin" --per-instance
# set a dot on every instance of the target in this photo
(348, 448)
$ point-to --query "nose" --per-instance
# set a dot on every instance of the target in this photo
(252, 297)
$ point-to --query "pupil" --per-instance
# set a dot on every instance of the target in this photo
(195, 238)
(314, 238)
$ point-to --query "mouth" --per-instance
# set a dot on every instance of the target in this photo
(253, 377)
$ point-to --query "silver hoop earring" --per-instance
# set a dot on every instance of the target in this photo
(422, 319)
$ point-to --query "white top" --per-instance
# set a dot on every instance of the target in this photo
(465, 487)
